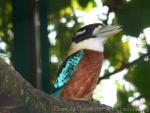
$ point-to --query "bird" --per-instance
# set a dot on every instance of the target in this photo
(79, 73)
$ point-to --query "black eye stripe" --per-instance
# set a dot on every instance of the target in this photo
(90, 26)
(88, 32)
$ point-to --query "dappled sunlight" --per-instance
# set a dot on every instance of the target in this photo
(128, 0)
(2, 45)
(54, 59)
(52, 37)
(97, 14)
(147, 34)
(111, 16)
(5, 56)
(70, 24)
(133, 48)
(105, 92)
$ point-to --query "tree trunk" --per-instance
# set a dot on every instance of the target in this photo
(18, 96)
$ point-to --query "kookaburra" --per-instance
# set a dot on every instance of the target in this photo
(79, 73)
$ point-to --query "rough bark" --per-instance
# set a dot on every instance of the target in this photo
(18, 96)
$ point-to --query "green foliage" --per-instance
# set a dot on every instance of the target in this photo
(127, 15)
(116, 51)
(58, 5)
(84, 3)
(6, 22)
(139, 75)
(134, 16)
(123, 103)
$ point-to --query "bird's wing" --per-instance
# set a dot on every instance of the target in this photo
(67, 69)
(85, 77)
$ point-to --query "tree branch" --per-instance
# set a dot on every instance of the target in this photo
(106, 76)
(18, 96)
(130, 103)
(137, 98)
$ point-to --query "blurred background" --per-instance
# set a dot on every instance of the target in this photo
(35, 36)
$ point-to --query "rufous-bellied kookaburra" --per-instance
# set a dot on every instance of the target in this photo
(79, 73)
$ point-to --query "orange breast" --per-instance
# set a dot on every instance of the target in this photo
(85, 77)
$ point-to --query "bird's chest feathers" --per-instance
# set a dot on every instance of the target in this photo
(85, 77)
(91, 62)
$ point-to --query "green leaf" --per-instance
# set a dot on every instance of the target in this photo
(134, 16)
(83, 3)
(139, 75)
(57, 5)
(116, 51)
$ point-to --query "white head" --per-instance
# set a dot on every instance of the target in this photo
(92, 37)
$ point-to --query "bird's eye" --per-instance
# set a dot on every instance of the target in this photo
(80, 33)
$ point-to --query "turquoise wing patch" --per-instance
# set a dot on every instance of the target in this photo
(57, 92)
(68, 68)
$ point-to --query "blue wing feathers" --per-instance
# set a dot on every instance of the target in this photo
(57, 92)
(67, 69)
